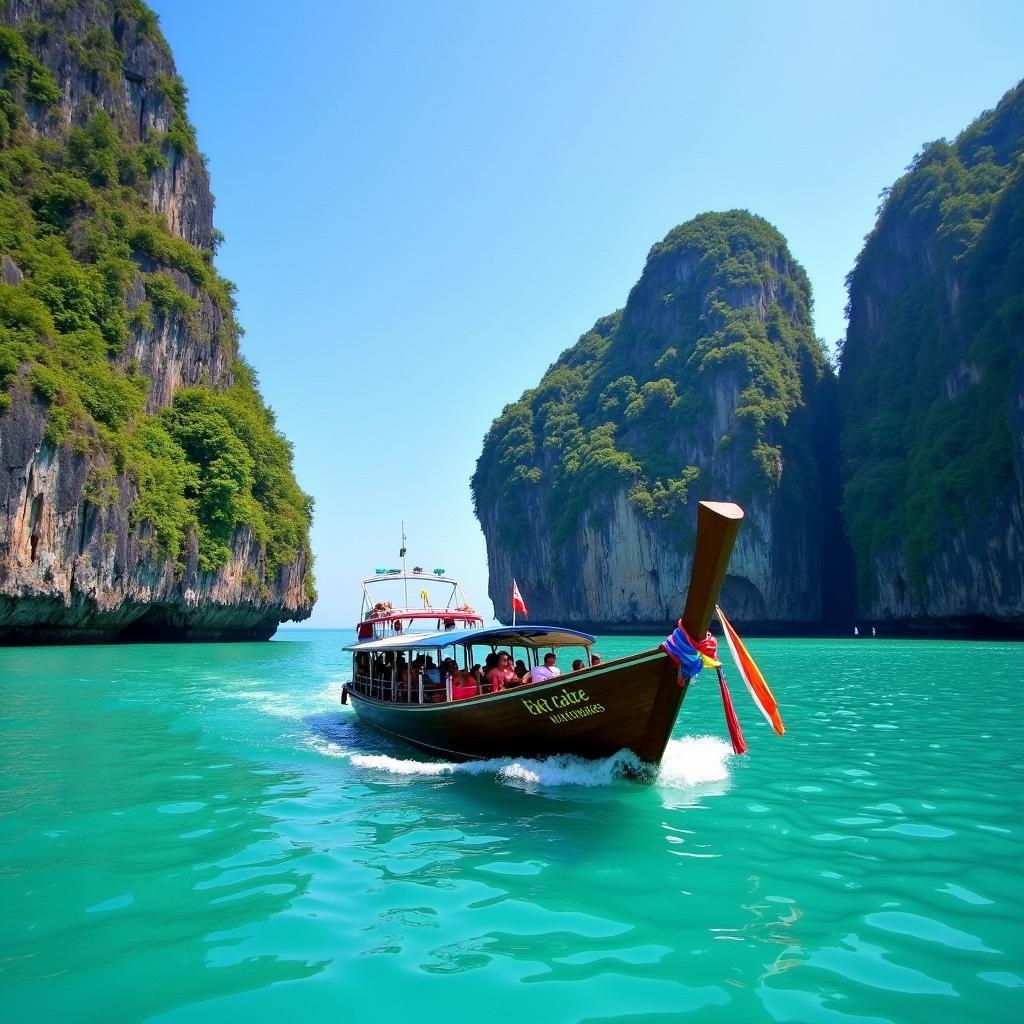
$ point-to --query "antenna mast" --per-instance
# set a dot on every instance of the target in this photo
(401, 554)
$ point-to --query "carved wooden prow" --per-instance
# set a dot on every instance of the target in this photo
(718, 522)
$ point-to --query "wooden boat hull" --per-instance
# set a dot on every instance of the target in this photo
(627, 704)
(630, 703)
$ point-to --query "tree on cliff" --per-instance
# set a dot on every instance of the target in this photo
(699, 386)
(932, 379)
(113, 316)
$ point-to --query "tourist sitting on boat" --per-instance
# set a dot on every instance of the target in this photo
(402, 681)
(415, 670)
(542, 673)
(521, 668)
(477, 673)
(463, 685)
(503, 674)
(595, 659)
(577, 665)
(433, 683)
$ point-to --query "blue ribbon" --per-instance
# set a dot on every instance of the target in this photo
(683, 653)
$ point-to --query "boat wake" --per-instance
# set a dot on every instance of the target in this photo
(695, 761)
(689, 762)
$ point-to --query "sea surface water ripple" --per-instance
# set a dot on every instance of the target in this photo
(202, 833)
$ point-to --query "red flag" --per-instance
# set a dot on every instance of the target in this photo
(518, 604)
(751, 674)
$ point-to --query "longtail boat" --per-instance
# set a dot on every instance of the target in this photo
(630, 703)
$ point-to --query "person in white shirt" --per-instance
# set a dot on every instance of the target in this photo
(542, 673)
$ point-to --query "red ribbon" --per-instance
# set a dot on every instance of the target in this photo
(739, 744)
(709, 646)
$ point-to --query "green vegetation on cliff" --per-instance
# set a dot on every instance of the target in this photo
(722, 309)
(936, 316)
(89, 265)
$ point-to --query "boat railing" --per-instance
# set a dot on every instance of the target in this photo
(400, 622)
(383, 688)
(429, 611)
(376, 687)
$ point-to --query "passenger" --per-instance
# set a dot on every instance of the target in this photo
(463, 684)
(542, 673)
(433, 683)
(595, 659)
(502, 674)
(477, 673)
(577, 665)
(520, 668)
(516, 679)
(415, 670)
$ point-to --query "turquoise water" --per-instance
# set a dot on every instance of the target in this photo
(201, 833)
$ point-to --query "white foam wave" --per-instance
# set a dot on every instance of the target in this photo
(690, 762)
(561, 770)
(284, 703)
(695, 760)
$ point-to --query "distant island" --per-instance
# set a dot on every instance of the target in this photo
(889, 492)
(145, 491)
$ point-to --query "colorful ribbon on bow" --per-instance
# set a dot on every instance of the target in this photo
(691, 658)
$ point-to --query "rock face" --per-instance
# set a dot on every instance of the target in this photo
(932, 388)
(708, 384)
(143, 490)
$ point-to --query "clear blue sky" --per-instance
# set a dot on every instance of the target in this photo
(425, 203)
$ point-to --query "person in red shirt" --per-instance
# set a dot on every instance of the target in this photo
(502, 674)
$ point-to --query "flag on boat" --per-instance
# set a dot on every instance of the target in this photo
(759, 691)
(518, 604)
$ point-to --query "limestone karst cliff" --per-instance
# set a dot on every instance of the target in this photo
(144, 490)
(932, 387)
(708, 383)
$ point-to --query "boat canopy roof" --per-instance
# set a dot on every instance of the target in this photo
(421, 576)
(518, 636)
